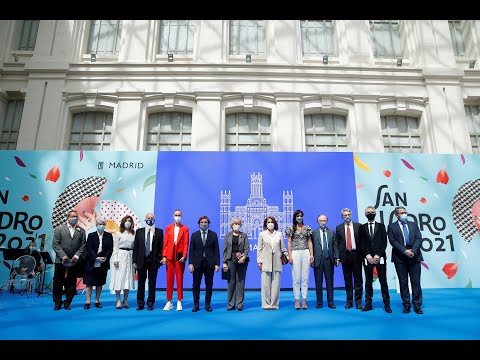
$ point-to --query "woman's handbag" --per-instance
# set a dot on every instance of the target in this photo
(284, 258)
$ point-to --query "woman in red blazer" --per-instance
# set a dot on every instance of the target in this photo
(175, 251)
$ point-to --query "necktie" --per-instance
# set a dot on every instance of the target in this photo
(325, 249)
(204, 237)
(371, 229)
(349, 238)
(147, 244)
(406, 234)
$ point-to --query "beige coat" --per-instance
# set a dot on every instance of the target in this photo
(269, 250)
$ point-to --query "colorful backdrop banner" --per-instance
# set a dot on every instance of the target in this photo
(440, 192)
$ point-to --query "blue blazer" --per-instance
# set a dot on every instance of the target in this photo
(211, 249)
(395, 237)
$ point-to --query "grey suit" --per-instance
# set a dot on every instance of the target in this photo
(324, 265)
(238, 271)
(66, 245)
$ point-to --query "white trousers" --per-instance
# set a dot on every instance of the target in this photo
(300, 272)
(270, 289)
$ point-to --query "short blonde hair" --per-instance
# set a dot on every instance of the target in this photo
(235, 221)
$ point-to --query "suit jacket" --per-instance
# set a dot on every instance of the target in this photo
(139, 248)
(318, 249)
(211, 249)
(66, 245)
(375, 245)
(395, 237)
(243, 246)
(93, 241)
(269, 250)
(342, 241)
(182, 241)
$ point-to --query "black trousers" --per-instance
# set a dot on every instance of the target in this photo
(352, 268)
(69, 282)
(198, 273)
(413, 269)
(382, 277)
(148, 271)
(324, 269)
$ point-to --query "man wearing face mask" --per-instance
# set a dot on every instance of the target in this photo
(175, 251)
(406, 241)
(203, 259)
(373, 242)
(69, 242)
(347, 238)
(325, 254)
(99, 250)
(147, 258)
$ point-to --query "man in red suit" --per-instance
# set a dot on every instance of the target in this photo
(175, 250)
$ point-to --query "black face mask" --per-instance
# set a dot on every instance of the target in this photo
(371, 217)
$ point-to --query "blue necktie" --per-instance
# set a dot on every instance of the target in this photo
(147, 244)
(325, 249)
(406, 234)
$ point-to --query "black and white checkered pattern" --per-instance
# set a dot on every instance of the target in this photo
(73, 194)
(467, 195)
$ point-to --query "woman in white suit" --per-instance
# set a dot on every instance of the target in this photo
(270, 247)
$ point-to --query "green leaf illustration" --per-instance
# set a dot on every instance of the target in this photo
(150, 180)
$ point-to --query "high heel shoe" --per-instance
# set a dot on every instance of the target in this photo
(297, 305)
(304, 304)
(119, 305)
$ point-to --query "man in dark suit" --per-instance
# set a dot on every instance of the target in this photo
(373, 242)
(69, 243)
(325, 254)
(203, 259)
(406, 241)
(31, 250)
(147, 257)
(347, 238)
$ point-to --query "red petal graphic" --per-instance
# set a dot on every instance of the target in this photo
(442, 177)
(424, 265)
(463, 159)
(359, 186)
(423, 200)
(450, 269)
(6, 264)
(81, 155)
(26, 198)
(53, 174)
(407, 164)
(120, 190)
(387, 173)
(19, 162)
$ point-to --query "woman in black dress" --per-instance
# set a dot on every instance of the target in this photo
(97, 262)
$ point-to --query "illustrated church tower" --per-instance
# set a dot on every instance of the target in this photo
(225, 203)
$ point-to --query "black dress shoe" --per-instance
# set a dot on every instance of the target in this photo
(150, 307)
(332, 306)
(195, 308)
(388, 309)
(230, 309)
(367, 307)
(140, 307)
(86, 306)
(418, 310)
(58, 306)
(348, 306)
(67, 306)
(240, 309)
(318, 306)
(406, 310)
(358, 306)
(98, 305)
(208, 308)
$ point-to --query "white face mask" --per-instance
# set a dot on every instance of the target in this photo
(270, 226)
(177, 218)
(127, 224)
(235, 227)
(403, 217)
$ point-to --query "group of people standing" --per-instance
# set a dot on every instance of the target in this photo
(144, 250)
